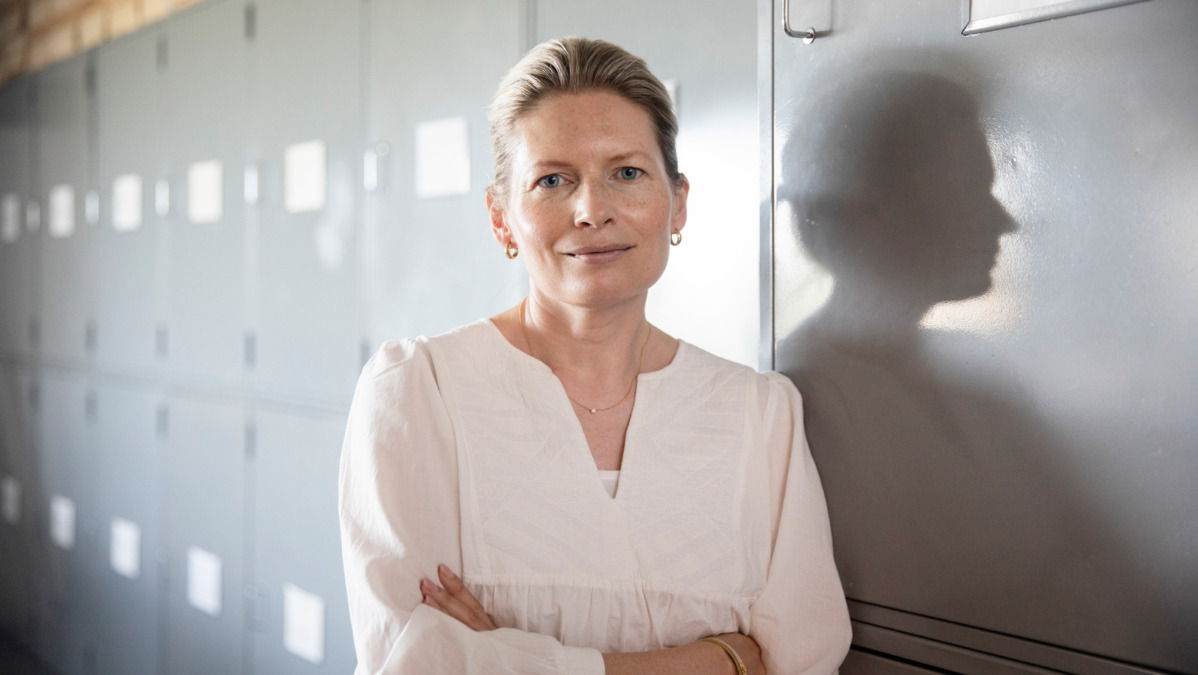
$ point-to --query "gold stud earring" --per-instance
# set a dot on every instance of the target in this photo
(511, 251)
(675, 238)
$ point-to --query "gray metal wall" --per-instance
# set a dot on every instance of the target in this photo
(984, 284)
(181, 387)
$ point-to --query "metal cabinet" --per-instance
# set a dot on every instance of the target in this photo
(127, 271)
(205, 500)
(205, 142)
(984, 287)
(18, 250)
(61, 504)
(306, 60)
(432, 260)
(63, 176)
(298, 581)
(22, 549)
(129, 523)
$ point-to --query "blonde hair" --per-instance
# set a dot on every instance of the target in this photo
(575, 65)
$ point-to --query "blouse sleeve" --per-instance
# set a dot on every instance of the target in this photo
(398, 498)
(800, 619)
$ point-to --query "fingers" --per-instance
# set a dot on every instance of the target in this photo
(455, 600)
(457, 589)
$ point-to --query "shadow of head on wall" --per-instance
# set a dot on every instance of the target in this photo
(897, 204)
(950, 495)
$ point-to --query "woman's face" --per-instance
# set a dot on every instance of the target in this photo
(589, 203)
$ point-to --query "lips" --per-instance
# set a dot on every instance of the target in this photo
(602, 253)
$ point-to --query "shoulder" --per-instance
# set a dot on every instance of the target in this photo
(416, 356)
(763, 387)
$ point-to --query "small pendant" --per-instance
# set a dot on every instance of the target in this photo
(593, 411)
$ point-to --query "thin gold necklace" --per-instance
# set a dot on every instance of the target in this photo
(631, 385)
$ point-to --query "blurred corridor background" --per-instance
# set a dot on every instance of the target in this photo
(209, 224)
(966, 232)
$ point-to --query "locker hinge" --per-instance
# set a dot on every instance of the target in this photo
(251, 349)
(163, 337)
(251, 440)
(255, 609)
(89, 77)
(90, 407)
(89, 335)
(164, 421)
(251, 21)
(162, 53)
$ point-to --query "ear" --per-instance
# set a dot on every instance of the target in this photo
(499, 228)
(681, 191)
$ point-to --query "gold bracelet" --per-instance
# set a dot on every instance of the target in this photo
(740, 665)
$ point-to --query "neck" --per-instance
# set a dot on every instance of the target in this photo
(584, 338)
(600, 347)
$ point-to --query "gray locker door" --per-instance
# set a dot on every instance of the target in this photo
(126, 612)
(205, 506)
(128, 275)
(434, 264)
(22, 549)
(297, 545)
(63, 504)
(17, 257)
(63, 161)
(206, 94)
(307, 87)
(707, 50)
(985, 289)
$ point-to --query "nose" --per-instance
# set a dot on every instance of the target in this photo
(593, 205)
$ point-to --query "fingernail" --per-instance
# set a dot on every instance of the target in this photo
(446, 571)
(428, 599)
(426, 584)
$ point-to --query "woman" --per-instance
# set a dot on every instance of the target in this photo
(564, 488)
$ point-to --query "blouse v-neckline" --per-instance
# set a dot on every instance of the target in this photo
(577, 432)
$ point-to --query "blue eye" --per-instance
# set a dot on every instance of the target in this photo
(630, 172)
(551, 181)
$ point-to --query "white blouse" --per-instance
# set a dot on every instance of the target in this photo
(463, 450)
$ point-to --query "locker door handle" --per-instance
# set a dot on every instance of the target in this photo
(817, 14)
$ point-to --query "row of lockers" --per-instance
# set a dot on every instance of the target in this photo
(206, 226)
(153, 532)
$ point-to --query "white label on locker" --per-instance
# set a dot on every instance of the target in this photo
(62, 211)
(203, 580)
(33, 216)
(442, 158)
(162, 197)
(370, 169)
(62, 521)
(10, 499)
(126, 202)
(126, 548)
(304, 180)
(10, 224)
(251, 184)
(303, 623)
(205, 193)
(91, 207)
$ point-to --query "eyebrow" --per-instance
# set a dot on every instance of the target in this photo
(622, 157)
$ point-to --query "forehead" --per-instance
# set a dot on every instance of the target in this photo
(586, 124)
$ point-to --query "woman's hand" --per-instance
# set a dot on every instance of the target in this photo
(747, 649)
(453, 599)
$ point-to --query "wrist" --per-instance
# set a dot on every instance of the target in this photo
(731, 656)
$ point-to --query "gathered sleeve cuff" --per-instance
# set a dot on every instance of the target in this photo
(800, 619)
(399, 510)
